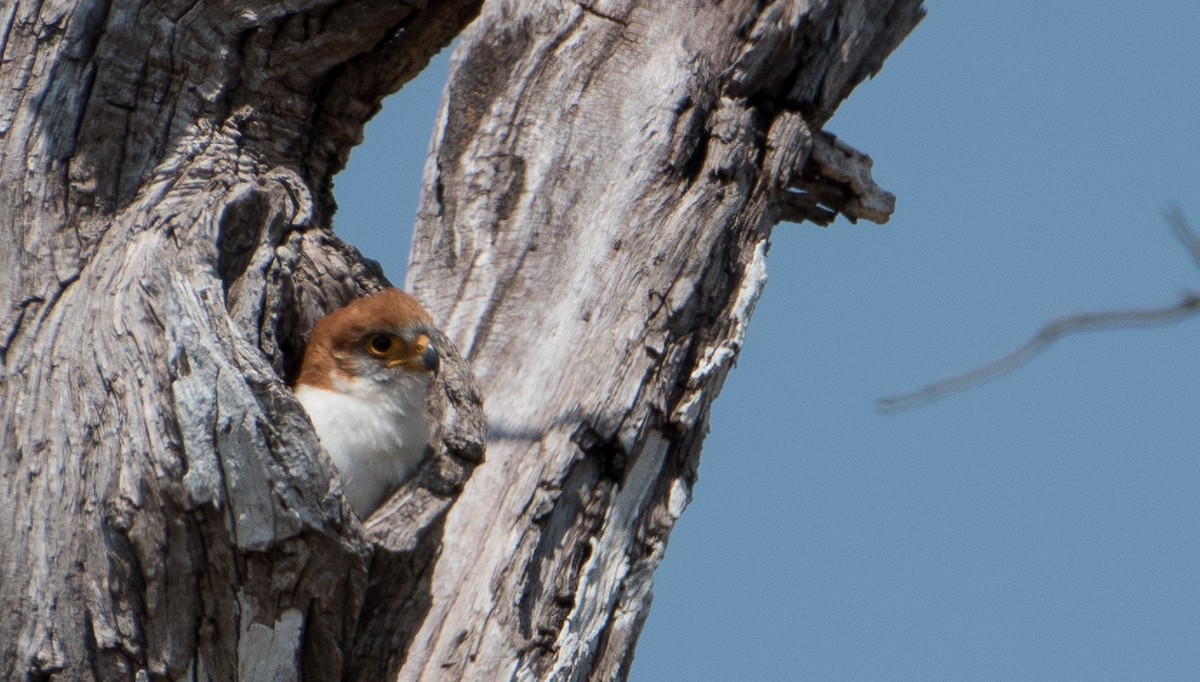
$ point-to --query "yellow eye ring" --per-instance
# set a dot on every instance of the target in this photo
(380, 345)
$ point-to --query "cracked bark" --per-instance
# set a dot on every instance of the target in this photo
(593, 233)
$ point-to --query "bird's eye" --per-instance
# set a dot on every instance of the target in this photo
(380, 344)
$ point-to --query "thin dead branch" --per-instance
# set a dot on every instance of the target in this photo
(1184, 232)
(1188, 305)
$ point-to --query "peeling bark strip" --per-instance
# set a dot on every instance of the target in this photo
(593, 235)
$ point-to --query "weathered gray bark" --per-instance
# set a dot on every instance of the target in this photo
(164, 175)
(592, 236)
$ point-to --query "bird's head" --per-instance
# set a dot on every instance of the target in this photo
(372, 343)
(363, 381)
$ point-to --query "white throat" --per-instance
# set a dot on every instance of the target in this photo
(374, 431)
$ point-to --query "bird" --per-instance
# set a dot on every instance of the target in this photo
(363, 380)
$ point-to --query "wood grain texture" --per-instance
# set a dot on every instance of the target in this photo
(164, 179)
(593, 237)
(593, 234)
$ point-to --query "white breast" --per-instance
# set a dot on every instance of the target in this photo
(375, 434)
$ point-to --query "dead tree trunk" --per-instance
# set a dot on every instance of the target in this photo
(592, 236)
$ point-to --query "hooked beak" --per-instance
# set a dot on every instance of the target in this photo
(430, 359)
(426, 359)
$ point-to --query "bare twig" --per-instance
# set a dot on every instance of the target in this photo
(1190, 240)
(1187, 306)
(1083, 322)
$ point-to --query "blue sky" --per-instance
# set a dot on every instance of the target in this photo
(1044, 526)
